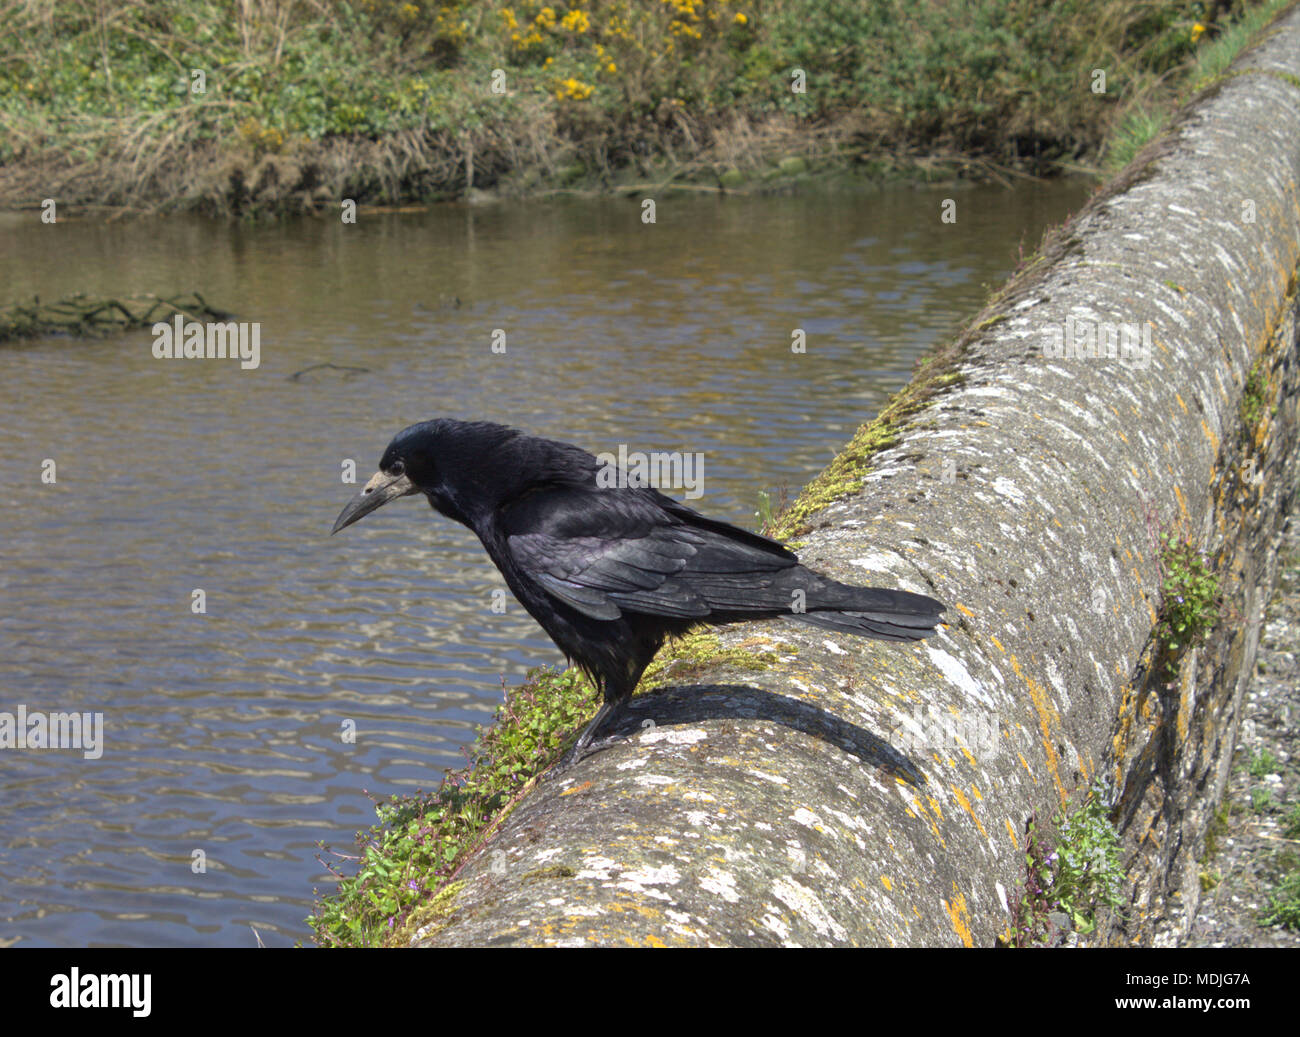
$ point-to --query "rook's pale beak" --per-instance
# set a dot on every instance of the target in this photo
(379, 490)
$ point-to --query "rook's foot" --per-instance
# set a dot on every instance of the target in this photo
(608, 711)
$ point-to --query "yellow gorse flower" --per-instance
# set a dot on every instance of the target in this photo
(574, 90)
(576, 21)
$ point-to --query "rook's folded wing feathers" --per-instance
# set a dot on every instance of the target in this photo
(603, 553)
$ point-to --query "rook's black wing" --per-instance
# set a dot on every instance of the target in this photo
(606, 552)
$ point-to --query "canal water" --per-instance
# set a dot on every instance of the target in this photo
(221, 728)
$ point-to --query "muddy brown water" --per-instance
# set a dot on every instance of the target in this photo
(221, 730)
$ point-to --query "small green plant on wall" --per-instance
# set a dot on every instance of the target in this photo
(1190, 605)
(1253, 399)
(1088, 869)
(1076, 875)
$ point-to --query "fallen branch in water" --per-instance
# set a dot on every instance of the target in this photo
(87, 315)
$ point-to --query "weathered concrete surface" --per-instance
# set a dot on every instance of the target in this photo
(859, 793)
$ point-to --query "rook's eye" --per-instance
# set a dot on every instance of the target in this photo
(397, 468)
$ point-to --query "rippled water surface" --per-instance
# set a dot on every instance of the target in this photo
(222, 729)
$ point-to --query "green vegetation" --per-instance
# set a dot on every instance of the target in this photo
(1253, 399)
(689, 656)
(407, 862)
(1291, 824)
(1218, 828)
(1077, 875)
(1261, 764)
(282, 105)
(1138, 126)
(1284, 902)
(1152, 102)
(1088, 869)
(1031, 908)
(1190, 604)
(1262, 801)
(1284, 898)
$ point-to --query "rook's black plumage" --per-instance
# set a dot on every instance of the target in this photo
(610, 573)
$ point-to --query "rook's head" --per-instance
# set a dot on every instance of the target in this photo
(407, 467)
(456, 464)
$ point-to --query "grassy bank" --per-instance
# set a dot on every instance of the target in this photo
(239, 106)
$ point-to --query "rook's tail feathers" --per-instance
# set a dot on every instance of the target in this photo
(887, 615)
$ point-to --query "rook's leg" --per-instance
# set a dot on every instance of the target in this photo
(607, 712)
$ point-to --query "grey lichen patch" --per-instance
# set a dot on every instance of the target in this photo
(558, 871)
